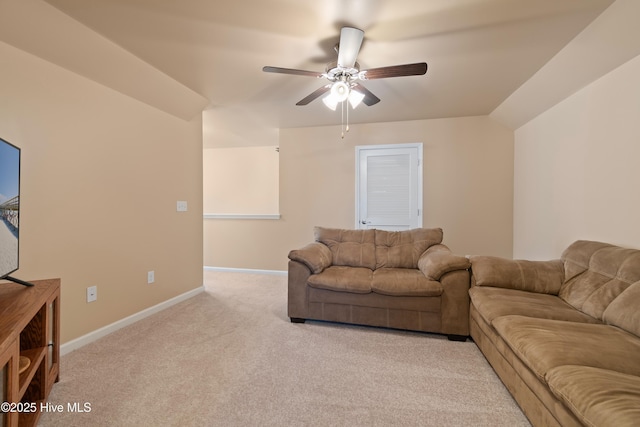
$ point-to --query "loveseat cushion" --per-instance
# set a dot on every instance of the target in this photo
(624, 311)
(492, 303)
(343, 279)
(543, 344)
(404, 282)
(402, 249)
(596, 273)
(533, 276)
(598, 397)
(353, 248)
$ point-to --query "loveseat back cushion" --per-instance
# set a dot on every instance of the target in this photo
(543, 277)
(402, 249)
(596, 274)
(352, 248)
(624, 311)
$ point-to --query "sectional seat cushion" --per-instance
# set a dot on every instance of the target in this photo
(598, 397)
(492, 303)
(543, 344)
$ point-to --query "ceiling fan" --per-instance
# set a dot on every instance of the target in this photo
(344, 75)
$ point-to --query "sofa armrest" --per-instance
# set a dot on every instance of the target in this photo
(438, 260)
(316, 256)
(545, 277)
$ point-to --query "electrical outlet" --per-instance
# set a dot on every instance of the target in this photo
(181, 206)
(151, 276)
(92, 293)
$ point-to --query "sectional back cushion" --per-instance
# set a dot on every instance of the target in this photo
(596, 274)
(353, 248)
(402, 249)
(623, 312)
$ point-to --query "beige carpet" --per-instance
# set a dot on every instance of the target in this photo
(230, 357)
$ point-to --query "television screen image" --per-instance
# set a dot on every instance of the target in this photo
(9, 207)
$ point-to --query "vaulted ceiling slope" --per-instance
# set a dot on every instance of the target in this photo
(479, 52)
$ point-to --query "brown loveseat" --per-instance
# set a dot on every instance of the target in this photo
(563, 335)
(395, 279)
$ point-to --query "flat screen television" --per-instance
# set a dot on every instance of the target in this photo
(9, 211)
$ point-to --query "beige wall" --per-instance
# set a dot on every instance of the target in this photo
(468, 187)
(576, 169)
(254, 173)
(101, 174)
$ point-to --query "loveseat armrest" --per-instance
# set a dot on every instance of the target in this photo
(545, 277)
(316, 256)
(439, 260)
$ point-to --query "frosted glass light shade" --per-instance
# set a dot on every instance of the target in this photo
(330, 102)
(355, 98)
(340, 91)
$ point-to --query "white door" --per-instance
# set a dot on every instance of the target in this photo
(389, 186)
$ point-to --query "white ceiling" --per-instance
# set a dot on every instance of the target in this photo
(478, 52)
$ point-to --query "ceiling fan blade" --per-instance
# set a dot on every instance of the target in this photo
(350, 42)
(416, 69)
(369, 98)
(293, 71)
(313, 95)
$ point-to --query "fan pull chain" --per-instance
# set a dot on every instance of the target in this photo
(342, 119)
(345, 102)
(343, 128)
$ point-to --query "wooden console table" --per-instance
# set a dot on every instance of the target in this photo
(29, 335)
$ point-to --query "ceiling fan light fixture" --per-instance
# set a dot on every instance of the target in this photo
(330, 101)
(340, 91)
(355, 98)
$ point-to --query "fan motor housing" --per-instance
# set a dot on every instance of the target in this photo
(334, 72)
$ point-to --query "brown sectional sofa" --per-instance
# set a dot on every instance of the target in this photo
(563, 335)
(395, 279)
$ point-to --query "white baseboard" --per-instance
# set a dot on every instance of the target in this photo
(106, 330)
(247, 270)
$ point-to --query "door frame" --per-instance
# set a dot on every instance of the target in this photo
(419, 146)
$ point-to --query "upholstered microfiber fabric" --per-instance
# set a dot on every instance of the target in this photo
(543, 344)
(353, 248)
(316, 256)
(404, 282)
(438, 260)
(624, 311)
(543, 277)
(344, 279)
(598, 397)
(402, 249)
(596, 273)
(493, 303)
(577, 255)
